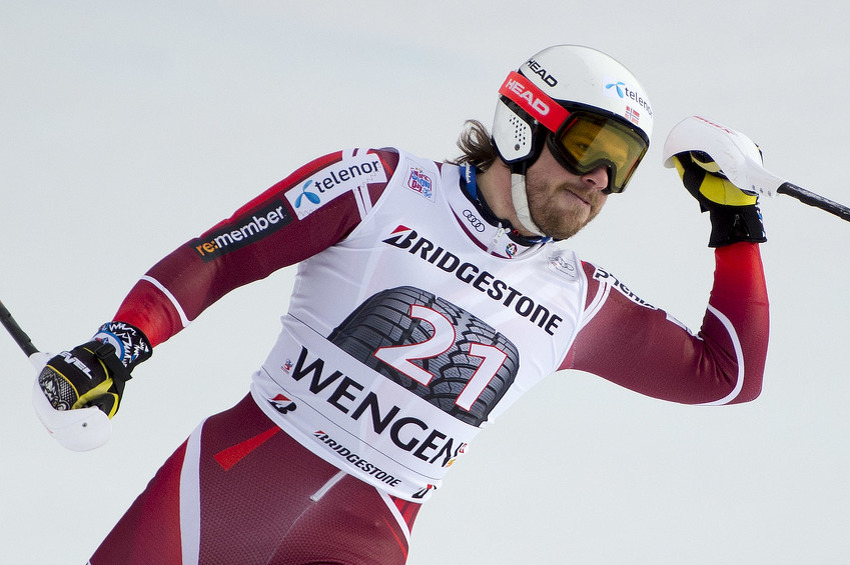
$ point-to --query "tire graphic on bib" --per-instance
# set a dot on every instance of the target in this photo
(433, 348)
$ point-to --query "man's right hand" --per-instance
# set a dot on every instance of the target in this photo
(88, 375)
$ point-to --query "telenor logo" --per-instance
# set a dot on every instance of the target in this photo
(247, 230)
(334, 181)
(311, 196)
(619, 89)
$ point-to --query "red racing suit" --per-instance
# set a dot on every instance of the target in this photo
(413, 323)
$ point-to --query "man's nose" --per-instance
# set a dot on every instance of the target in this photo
(597, 178)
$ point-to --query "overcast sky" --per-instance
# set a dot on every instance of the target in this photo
(127, 128)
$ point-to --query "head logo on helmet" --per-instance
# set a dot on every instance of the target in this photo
(539, 102)
(535, 67)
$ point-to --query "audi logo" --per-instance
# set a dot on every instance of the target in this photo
(477, 224)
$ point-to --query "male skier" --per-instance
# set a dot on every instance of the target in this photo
(429, 296)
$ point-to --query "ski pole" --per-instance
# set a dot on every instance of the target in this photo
(17, 333)
(81, 429)
(739, 159)
(815, 200)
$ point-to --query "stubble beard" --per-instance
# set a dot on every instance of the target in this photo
(553, 217)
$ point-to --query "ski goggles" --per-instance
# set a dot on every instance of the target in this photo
(581, 140)
(587, 141)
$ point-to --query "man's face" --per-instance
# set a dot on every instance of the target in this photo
(561, 203)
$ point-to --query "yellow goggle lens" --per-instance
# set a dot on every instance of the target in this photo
(587, 141)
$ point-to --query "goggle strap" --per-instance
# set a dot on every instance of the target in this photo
(537, 103)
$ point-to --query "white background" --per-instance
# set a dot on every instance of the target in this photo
(127, 128)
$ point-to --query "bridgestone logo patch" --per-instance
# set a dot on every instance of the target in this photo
(245, 231)
(481, 280)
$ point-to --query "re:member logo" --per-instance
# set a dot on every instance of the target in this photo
(248, 230)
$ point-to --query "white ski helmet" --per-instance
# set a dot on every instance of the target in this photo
(585, 106)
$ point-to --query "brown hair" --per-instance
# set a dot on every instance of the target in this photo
(476, 146)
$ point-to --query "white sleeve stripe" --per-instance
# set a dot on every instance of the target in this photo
(361, 197)
(361, 192)
(190, 499)
(183, 318)
(319, 494)
(396, 514)
(739, 354)
(596, 304)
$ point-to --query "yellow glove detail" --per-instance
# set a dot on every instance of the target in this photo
(715, 188)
